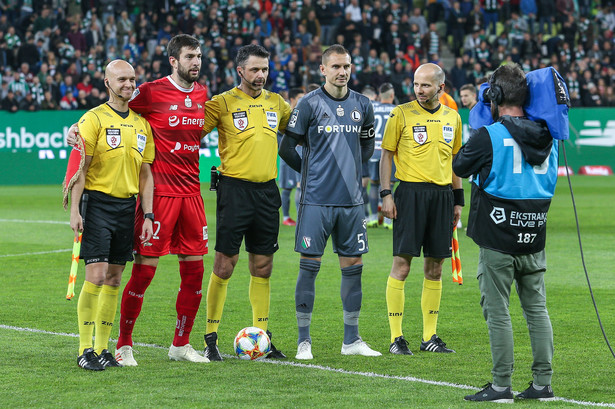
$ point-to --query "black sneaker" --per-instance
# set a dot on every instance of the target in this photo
(89, 361)
(275, 353)
(543, 394)
(400, 346)
(435, 344)
(106, 359)
(211, 350)
(488, 394)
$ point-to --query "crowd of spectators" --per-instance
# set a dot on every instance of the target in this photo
(53, 52)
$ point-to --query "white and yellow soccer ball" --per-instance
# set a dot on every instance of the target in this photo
(252, 343)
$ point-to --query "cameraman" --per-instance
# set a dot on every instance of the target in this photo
(514, 167)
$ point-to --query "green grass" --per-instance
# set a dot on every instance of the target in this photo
(39, 369)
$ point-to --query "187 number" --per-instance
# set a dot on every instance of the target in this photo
(526, 238)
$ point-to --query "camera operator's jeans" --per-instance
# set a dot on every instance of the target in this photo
(496, 273)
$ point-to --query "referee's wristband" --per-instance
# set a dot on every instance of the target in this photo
(384, 193)
(149, 216)
(458, 197)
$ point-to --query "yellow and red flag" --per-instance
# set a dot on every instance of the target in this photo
(74, 265)
(73, 170)
(455, 260)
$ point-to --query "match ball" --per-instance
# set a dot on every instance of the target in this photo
(252, 343)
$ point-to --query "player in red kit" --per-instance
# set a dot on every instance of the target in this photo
(174, 107)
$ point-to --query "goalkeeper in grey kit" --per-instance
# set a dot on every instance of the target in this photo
(335, 125)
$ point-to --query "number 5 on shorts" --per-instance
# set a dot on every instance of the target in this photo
(361, 241)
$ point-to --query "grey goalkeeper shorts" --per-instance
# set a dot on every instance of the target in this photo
(345, 225)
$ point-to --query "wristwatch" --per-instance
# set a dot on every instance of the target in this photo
(149, 216)
(384, 193)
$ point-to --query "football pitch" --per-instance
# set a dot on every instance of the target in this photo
(38, 326)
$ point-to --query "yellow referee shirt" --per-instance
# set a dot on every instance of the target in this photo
(423, 142)
(118, 146)
(247, 132)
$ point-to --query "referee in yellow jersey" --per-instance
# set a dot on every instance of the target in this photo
(423, 136)
(119, 150)
(248, 119)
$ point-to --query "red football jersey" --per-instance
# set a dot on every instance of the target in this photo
(176, 116)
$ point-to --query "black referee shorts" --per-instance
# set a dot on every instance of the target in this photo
(108, 229)
(424, 219)
(250, 210)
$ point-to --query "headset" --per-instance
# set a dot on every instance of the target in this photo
(494, 93)
(245, 79)
(435, 96)
(111, 89)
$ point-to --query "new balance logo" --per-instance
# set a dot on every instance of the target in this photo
(107, 323)
(213, 321)
(88, 322)
(263, 319)
(396, 314)
(434, 311)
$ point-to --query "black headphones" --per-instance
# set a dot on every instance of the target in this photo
(494, 93)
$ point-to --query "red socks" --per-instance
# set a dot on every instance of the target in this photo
(188, 299)
(132, 300)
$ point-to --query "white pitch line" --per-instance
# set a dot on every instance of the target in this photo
(35, 253)
(374, 375)
(425, 381)
(33, 221)
(326, 368)
(38, 222)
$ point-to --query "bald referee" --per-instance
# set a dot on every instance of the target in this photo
(119, 151)
(423, 136)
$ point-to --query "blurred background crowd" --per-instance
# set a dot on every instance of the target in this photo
(53, 52)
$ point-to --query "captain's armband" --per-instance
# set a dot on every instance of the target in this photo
(368, 133)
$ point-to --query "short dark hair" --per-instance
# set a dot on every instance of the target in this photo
(180, 41)
(292, 94)
(312, 86)
(468, 87)
(386, 87)
(511, 79)
(334, 49)
(369, 90)
(248, 51)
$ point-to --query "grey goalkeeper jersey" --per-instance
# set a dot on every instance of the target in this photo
(330, 130)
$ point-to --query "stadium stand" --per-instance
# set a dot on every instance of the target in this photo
(52, 48)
